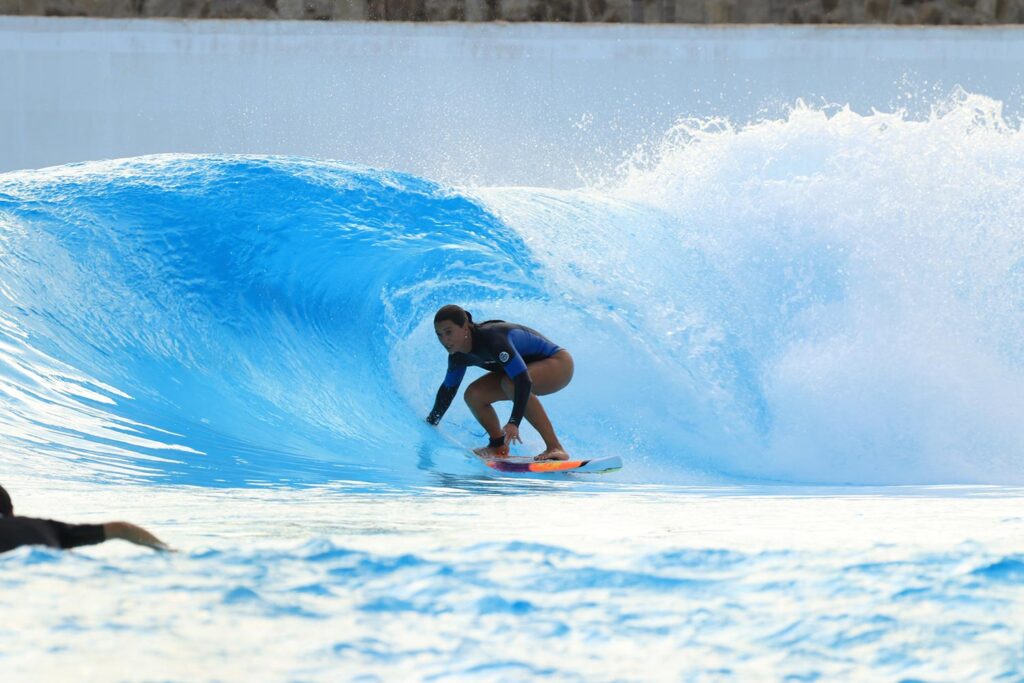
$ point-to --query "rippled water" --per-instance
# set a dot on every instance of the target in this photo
(506, 581)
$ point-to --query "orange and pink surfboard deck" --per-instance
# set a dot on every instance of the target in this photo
(525, 465)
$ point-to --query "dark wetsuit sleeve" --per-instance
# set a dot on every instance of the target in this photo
(446, 392)
(74, 535)
(523, 387)
(515, 368)
(19, 531)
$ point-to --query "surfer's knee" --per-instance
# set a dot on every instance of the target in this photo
(471, 395)
(476, 394)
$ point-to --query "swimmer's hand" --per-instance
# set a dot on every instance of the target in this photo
(511, 432)
(134, 534)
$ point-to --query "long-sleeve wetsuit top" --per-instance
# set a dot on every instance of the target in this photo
(19, 531)
(497, 345)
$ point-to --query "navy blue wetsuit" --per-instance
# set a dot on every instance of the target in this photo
(497, 346)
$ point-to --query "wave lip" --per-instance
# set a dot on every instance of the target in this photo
(825, 297)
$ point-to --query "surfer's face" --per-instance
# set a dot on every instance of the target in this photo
(452, 337)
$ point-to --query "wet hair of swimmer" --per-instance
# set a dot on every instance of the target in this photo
(6, 506)
(455, 314)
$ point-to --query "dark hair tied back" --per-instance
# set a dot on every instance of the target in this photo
(455, 314)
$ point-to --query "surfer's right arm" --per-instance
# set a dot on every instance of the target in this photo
(446, 392)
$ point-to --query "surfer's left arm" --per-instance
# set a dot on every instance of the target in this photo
(522, 383)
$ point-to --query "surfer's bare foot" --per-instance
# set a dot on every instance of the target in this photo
(488, 452)
(553, 454)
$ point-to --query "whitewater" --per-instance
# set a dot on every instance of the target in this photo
(803, 333)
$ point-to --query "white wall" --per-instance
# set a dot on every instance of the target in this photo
(495, 103)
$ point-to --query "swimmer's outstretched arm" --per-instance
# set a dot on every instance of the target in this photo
(133, 534)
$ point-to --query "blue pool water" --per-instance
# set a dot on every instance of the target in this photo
(803, 335)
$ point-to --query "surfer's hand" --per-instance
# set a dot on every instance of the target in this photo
(433, 419)
(511, 434)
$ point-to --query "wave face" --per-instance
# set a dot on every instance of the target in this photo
(228, 319)
(826, 297)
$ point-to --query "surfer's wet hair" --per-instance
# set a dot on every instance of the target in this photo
(6, 506)
(453, 313)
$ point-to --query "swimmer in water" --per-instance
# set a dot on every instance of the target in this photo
(522, 364)
(18, 531)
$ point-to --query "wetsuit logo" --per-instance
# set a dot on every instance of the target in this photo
(503, 356)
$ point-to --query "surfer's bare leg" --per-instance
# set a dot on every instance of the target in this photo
(548, 375)
(538, 417)
(479, 396)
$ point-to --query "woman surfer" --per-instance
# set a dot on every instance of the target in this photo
(522, 364)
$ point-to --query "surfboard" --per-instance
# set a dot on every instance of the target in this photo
(523, 465)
